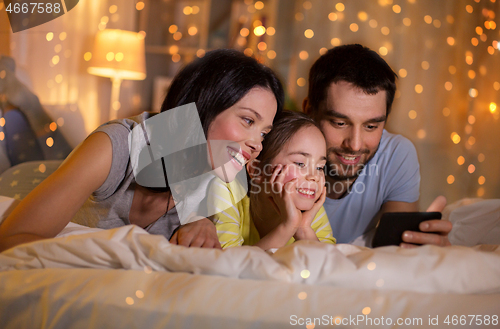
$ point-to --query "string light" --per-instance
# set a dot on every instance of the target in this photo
(362, 16)
(259, 30)
(244, 32)
(493, 107)
(335, 42)
(259, 5)
(303, 55)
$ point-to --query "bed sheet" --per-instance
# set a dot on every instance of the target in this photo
(104, 298)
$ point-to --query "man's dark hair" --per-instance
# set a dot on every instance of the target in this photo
(355, 64)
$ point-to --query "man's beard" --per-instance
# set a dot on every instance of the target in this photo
(342, 172)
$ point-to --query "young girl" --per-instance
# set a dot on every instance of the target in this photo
(236, 98)
(287, 191)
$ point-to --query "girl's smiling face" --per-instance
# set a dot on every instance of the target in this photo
(305, 154)
(235, 136)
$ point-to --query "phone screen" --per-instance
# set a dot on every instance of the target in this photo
(393, 224)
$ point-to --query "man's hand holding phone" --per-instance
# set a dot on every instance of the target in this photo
(411, 229)
(439, 228)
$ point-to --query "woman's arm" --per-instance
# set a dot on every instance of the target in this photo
(53, 203)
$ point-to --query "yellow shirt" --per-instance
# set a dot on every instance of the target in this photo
(234, 224)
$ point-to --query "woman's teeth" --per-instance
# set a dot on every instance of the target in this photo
(238, 157)
(308, 192)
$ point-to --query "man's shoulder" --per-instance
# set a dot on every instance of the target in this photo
(395, 146)
(390, 141)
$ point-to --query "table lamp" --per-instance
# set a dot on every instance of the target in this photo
(118, 55)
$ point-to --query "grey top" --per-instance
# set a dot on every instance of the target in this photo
(109, 206)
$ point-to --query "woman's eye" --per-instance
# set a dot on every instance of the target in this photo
(263, 135)
(248, 121)
(300, 164)
(321, 168)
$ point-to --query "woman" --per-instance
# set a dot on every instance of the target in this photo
(236, 98)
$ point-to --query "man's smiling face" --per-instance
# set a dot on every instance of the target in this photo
(352, 122)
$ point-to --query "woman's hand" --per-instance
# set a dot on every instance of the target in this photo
(200, 233)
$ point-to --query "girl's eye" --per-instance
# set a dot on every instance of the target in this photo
(300, 164)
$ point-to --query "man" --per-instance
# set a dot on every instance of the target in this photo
(369, 171)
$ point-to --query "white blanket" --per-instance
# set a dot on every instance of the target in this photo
(427, 269)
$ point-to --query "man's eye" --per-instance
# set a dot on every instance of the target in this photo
(300, 164)
(338, 123)
(371, 127)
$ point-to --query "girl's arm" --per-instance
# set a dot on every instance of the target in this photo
(53, 203)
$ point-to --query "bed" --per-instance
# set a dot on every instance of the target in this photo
(127, 278)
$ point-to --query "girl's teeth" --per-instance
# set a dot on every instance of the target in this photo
(238, 157)
(308, 192)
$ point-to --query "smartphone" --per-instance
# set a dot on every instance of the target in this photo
(392, 225)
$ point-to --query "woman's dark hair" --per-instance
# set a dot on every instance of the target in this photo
(285, 126)
(219, 80)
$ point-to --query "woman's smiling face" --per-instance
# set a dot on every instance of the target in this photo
(235, 136)
(305, 154)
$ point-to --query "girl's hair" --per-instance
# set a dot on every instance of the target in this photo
(287, 124)
(219, 80)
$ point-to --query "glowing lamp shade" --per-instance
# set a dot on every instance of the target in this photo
(118, 55)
